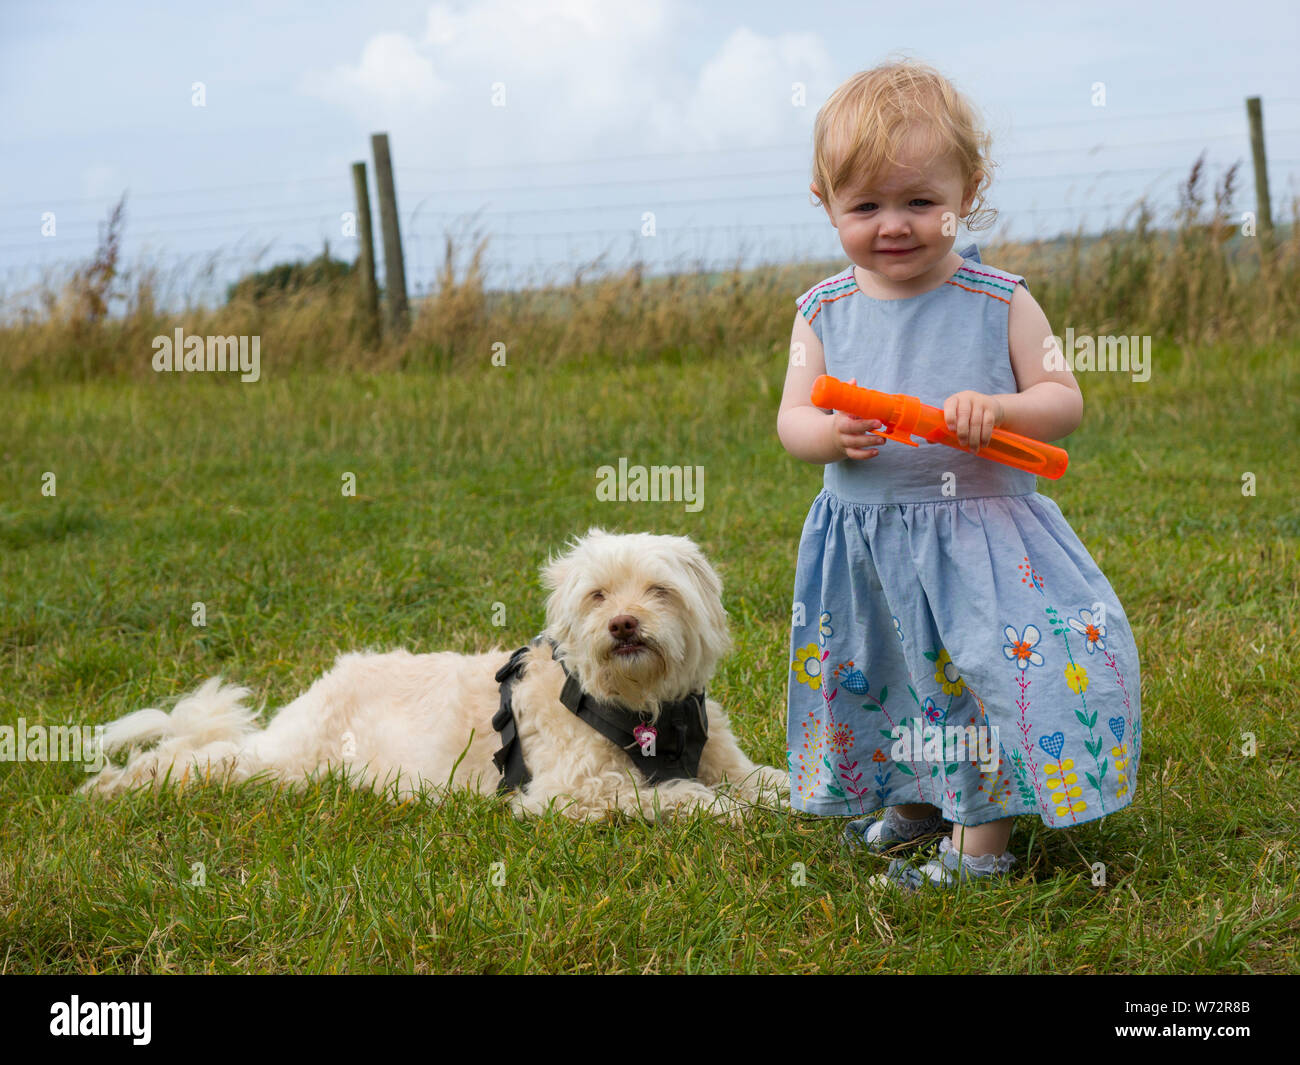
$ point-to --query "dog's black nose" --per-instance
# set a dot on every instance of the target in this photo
(623, 627)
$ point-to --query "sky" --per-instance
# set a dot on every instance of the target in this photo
(560, 128)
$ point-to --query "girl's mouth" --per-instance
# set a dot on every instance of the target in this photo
(896, 251)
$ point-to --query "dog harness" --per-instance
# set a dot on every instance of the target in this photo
(668, 750)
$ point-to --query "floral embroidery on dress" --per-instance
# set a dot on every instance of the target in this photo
(946, 674)
(1063, 775)
(851, 678)
(807, 762)
(824, 630)
(810, 767)
(1093, 632)
(807, 666)
(1065, 793)
(1060, 777)
(1076, 678)
(1020, 646)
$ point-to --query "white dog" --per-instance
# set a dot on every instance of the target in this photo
(634, 629)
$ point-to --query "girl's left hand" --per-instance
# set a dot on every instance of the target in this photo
(973, 416)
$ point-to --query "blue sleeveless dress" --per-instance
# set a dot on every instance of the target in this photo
(952, 641)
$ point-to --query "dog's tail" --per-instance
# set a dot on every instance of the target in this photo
(212, 714)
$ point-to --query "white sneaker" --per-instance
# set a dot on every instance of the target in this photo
(945, 870)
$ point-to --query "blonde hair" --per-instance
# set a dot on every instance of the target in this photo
(865, 123)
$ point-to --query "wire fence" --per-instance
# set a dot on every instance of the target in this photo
(687, 214)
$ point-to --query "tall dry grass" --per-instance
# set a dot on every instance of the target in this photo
(1192, 278)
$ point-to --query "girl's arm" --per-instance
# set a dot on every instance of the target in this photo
(808, 432)
(1048, 405)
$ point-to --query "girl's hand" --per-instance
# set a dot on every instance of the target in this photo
(854, 435)
(973, 416)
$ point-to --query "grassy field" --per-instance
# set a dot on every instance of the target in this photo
(186, 489)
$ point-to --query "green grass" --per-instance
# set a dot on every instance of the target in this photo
(186, 489)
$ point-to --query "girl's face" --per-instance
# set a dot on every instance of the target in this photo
(901, 227)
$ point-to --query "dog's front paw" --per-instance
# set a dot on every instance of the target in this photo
(719, 806)
(765, 785)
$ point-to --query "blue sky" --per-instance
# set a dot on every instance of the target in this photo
(610, 111)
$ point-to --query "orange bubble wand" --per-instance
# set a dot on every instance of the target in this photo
(906, 416)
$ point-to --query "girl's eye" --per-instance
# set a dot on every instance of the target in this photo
(911, 203)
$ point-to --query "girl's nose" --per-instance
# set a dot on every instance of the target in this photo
(893, 224)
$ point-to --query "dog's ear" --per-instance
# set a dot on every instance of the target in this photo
(558, 567)
(556, 571)
(717, 629)
(703, 572)
(699, 567)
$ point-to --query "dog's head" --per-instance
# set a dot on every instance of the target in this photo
(638, 617)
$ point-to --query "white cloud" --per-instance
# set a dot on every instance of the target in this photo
(581, 77)
(745, 92)
(392, 78)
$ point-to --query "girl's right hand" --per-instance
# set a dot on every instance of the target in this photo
(854, 436)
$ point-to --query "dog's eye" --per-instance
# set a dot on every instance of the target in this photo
(598, 595)
(658, 589)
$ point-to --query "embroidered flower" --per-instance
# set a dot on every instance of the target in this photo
(1021, 648)
(879, 756)
(807, 667)
(1093, 632)
(946, 674)
(852, 678)
(824, 630)
(1077, 678)
(933, 713)
(841, 739)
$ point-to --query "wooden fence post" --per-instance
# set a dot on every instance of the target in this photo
(366, 260)
(394, 268)
(1263, 208)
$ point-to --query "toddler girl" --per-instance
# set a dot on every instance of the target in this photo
(956, 654)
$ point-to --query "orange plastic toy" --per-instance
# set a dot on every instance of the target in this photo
(905, 416)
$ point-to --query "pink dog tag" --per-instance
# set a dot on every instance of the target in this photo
(645, 736)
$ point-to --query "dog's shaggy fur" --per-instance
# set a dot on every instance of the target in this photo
(637, 618)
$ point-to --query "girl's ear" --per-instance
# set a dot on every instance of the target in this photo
(817, 194)
(971, 188)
